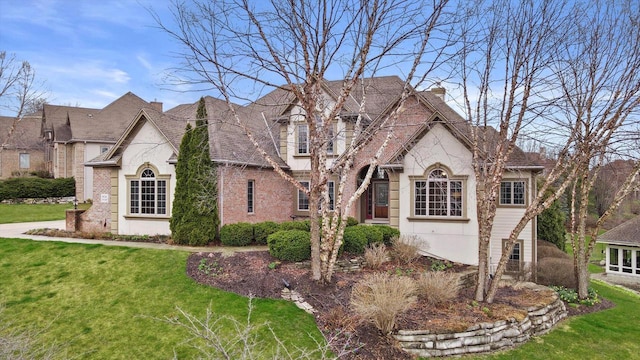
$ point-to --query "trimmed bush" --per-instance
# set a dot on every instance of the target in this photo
(550, 250)
(374, 235)
(238, 234)
(290, 245)
(19, 188)
(557, 272)
(351, 221)
(263, 229)
(295, 225)
(388, 233)
(354, 240)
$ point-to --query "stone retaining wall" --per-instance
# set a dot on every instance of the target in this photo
(483, 337)
(53, 200)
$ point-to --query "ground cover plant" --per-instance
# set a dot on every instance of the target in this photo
(99, 302)
(15, 213)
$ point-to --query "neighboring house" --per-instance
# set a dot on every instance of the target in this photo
(76, 135)
(424, 185)
(623, 248)
(21, 147)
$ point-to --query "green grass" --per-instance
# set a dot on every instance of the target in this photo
(15, 213)
(100, 302)
(609, 334)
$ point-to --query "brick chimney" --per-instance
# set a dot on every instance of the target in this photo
(439, 92)
(156, 105)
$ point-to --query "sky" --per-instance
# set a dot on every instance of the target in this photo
(90, 52)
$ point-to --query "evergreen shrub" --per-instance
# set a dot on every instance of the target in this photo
(295, 225)
(373, 233)
(32, 187)
(263, 229)
(238, 234)
(388, 233)
(290, 245)
(354, 240)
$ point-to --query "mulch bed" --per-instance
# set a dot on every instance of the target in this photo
(249, 274)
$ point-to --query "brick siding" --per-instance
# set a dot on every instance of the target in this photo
(272, 195)
(98, 217)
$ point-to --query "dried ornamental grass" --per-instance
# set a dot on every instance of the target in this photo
(380, 298)
(375, 255)
(438, 287)
(405, 248)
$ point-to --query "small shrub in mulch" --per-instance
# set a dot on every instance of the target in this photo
(558, 272)
(238, 234)
(262, 230)
(290, 245)
(355, 239)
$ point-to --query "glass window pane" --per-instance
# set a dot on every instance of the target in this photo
(303, 199)
(420, 198)
(162, 197)
(25, 162)
(437, 198)
(303, 139)
(518, 192)
(455, 198)
(613, 259)
(135, 197)
(147, 196)
(250, 184)
(505, 192)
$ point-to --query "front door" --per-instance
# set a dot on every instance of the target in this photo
(381, 201)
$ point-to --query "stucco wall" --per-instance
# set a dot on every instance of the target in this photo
(147, 146)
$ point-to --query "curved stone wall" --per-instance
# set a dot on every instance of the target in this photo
(483, 337)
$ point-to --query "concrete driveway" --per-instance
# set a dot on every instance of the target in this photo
(18, 230)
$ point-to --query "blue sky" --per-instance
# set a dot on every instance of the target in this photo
(90, 52)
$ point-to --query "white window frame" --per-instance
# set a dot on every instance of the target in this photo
(451, 194)
(24, 160)
(302, 196)
(148, 193)
(510, 198)
(302, 143)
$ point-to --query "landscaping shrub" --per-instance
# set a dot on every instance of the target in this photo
(375, 255)
(238, 234)
(16, 188)
(558, 272)
(295, 225)
(388, 233)
(438, 287)
(351, 221)
(263, 229)
(354, 240)
(549, 250)
(380, 298)
(374, 235)
(551, 225)
(405, 248)
(290, 245)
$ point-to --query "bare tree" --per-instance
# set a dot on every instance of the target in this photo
(598, 71)
(293, 46)
(20, 93)
(507, 49)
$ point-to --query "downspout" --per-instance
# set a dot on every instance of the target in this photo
(221, 197)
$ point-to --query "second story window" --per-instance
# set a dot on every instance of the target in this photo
(302, 139)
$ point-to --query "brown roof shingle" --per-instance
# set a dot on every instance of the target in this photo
(627, 233)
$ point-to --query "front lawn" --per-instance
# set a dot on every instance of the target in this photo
(100, 302)
(15, 213)
(609, 334)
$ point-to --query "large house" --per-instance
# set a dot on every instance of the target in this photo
(424, 185)
(75, 135)
(21, 147)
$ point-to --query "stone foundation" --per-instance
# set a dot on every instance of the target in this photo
(483, 337)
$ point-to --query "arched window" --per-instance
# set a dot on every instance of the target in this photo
(438, 195)
(148, 194)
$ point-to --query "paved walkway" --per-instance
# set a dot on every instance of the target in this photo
(18, 231)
